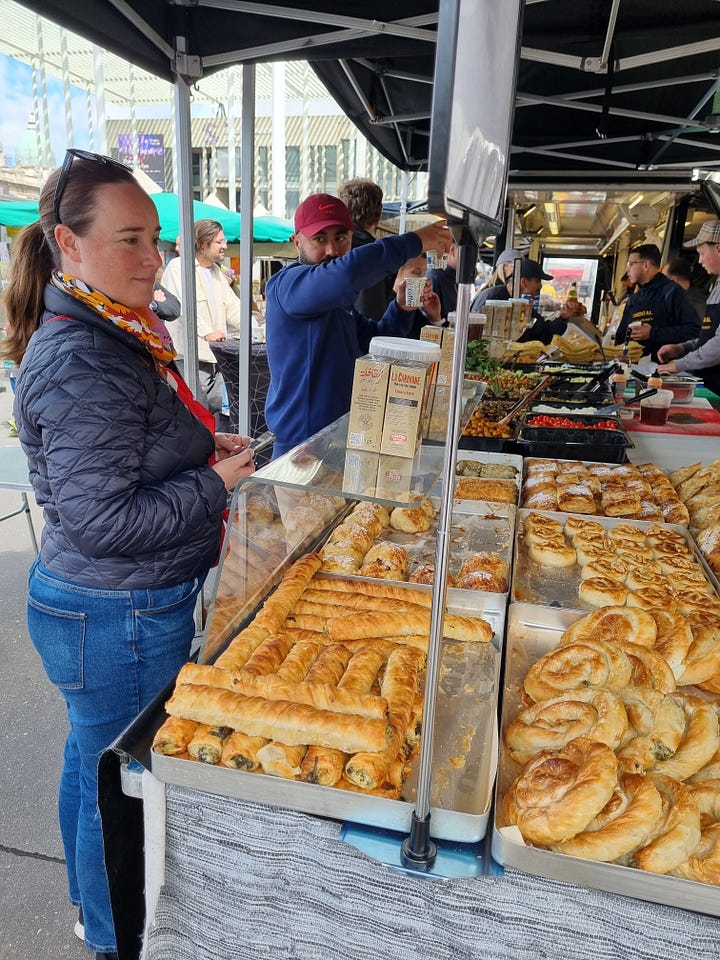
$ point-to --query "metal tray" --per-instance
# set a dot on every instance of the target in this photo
(558, 586)
(477, 526)
(532, 631)
(464, 761)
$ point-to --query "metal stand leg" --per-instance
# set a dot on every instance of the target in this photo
(25, 508)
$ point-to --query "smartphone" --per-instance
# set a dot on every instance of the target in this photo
(263, 441)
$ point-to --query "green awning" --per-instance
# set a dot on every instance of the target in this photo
(19, 213)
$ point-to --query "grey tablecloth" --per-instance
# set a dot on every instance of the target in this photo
(250, 881)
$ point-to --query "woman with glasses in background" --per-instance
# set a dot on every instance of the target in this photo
(131, 480)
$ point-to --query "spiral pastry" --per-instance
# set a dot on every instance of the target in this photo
(649, 668)
(624, 823)
(576, 666)
(550, 724)
(678, 832)
(613, 624)
(706, 794)
(658, 725)
(699, 744)
(560, 792)
(704, 864)
(673, 640)
(702, 663)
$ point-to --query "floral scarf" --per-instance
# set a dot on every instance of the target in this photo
(142, 324)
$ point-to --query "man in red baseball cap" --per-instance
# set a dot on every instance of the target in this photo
(314, 333)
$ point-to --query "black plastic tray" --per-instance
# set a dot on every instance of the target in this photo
(568, 443)
(579, 443)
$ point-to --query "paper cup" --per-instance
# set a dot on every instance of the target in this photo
(414, 287)
(654, 410)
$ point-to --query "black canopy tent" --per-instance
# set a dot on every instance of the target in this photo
(626, 87)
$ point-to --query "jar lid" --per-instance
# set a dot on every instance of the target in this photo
(402, 348)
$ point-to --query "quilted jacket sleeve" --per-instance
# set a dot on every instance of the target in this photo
(117, 455)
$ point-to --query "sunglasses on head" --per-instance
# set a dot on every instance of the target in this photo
(70, 155)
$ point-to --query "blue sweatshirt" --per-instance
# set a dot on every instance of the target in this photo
(314, 335)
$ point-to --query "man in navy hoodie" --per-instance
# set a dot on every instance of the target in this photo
(314, 334)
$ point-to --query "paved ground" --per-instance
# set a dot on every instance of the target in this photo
(36, 919)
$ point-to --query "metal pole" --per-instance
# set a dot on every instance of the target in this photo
(279, 201)
(418, 850)
(100, 98)
(187, 237)
(232, 189)
(49, 158)
(247, 203)
(66, 88)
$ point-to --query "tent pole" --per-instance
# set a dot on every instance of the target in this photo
(183, 146)
(247, 203)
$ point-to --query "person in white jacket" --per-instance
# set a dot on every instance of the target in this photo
(218, 308)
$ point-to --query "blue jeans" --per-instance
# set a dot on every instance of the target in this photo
(109, 652)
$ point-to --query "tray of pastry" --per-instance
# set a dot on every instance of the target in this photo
(488, 477)
(399, 546)
(608, 762)
(641, 492)
(329, 721)
(581, 562)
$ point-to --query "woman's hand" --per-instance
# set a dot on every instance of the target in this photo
(667, 367)
(235, 468)
(228, 444)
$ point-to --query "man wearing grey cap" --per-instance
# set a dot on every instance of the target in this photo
(701, 356)
(531, 278)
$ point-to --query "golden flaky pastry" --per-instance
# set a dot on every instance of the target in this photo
(577, 666)
(549, 725)
(676, 835)
(623, 825)
(612, 624)
(560, 792)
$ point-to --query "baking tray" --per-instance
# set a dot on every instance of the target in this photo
(464, 761)
(557, 586)
(477, 526)
(532, 631)
(609, 467)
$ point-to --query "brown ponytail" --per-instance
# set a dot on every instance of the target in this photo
(32, 264)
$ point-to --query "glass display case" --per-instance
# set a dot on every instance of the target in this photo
(279, 524)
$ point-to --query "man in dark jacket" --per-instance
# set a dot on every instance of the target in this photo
(660, 311)
(314, 333)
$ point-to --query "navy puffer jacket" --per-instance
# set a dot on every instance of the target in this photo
(117, 461)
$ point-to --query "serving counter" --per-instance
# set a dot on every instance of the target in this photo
(229, 874)
(246, 881)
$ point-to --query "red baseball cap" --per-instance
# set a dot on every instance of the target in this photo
(320, 211)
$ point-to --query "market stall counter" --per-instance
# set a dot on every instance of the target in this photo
(244, 880)
(241, 863)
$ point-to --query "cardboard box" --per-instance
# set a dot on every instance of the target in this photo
(432, 334)
(404, 408)
(367, 405)
(361, 471)
(394, 476)
(447, 350)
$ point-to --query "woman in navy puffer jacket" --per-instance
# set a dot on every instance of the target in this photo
(119, 459)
